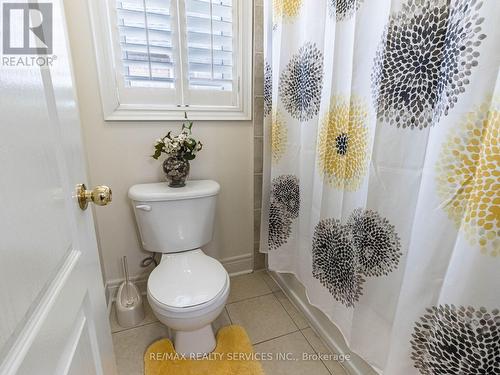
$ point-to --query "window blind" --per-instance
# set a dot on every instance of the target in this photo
(147, 28)
(209, 28)
(145, 31)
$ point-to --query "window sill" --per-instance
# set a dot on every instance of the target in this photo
(128, 113)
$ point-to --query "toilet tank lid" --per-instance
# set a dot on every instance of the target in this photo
(160, 191)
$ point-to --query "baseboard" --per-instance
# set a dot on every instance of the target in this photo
(237, 265)
(320, 323)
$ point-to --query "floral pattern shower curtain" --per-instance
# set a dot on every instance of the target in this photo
(382, 174)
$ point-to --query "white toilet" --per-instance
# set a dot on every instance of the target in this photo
(188, 289)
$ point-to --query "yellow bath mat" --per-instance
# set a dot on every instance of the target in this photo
(232, 356)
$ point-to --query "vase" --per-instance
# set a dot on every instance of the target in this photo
(176, 169)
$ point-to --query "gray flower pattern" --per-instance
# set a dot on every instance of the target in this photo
(343, 9)
(451, 340)
(425, 60)
(284, 208)
(367, 245)
(301, 83)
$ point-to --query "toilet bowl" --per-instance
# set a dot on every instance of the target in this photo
(198, 288)
(188, 289)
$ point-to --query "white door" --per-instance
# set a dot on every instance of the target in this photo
(52, 307)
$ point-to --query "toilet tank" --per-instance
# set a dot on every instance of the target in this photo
(175, 219)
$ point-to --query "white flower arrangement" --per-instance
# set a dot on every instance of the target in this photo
(182, 145)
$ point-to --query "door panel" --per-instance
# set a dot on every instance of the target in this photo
(30, 183)
(54, 316)
(82, 350)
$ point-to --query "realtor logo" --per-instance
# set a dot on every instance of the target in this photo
(27, 29)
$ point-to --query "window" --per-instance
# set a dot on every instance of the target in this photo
(159, 58)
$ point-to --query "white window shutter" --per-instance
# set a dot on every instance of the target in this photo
(145, 32)
(209, 28)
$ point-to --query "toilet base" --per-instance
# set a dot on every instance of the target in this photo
(193, 343)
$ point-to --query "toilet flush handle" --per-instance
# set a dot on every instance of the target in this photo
(143, 207)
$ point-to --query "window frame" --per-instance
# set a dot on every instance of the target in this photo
(115, 106)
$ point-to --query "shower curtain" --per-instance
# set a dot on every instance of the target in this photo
(382, 174)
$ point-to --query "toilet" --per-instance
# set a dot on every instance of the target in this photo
(188, 289)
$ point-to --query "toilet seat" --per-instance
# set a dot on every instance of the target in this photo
(187, 281)
(182, 313)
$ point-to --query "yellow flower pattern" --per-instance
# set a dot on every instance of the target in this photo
(343, 143)
(468, 177)
(286, 8)
(278, 137)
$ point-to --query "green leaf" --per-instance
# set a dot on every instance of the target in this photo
(156, 155)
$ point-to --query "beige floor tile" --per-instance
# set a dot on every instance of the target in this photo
(319, 347)
(148, 318)
(263, 318)
(131, 344)
(222, 321)
(296, 345)
(247, 286)
(297, 317)
(270, 282)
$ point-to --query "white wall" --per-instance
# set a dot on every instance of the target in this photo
(118, 156)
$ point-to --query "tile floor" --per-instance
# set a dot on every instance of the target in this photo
(257, 303)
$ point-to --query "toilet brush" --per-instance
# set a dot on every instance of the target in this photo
(129, 307)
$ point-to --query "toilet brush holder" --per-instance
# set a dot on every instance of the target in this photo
(129, 306)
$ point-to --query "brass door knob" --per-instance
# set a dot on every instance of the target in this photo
(101, 195)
